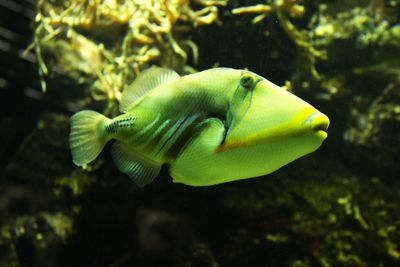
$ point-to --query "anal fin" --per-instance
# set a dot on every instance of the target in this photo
(139, 170)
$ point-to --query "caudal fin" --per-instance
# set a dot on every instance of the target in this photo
(87, 137)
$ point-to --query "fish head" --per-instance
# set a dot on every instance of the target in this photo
(268, 114)
(264, 128)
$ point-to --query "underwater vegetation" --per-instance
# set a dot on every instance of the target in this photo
(105, 44)
(336, 207)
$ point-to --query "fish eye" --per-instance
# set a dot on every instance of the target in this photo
(247, 80)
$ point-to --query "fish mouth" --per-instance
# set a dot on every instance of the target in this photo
(319, 124)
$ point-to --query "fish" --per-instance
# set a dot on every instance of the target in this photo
(211, 127)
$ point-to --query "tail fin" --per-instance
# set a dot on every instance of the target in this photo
(87, 137)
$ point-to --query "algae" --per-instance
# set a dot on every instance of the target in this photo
(105, 44)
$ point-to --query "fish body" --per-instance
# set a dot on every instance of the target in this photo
(211, 127)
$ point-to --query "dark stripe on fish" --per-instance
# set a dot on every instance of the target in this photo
(185, 138)
(178, 129)
(151, 141)
(167, 138)
(141, 136)
(177, 125)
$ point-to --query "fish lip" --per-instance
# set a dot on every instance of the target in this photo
(318, 123)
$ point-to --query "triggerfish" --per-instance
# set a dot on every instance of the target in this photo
(211, 127)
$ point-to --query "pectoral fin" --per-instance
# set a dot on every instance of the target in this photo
(139, 170)
(199, 151)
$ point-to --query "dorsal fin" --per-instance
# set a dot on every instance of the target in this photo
(144, 83)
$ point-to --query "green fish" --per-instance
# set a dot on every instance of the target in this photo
(211, 127)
